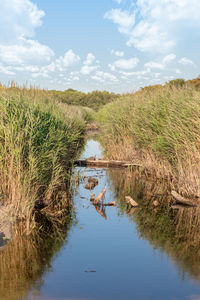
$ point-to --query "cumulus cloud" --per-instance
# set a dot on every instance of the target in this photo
(86, 70)
(123, 19)
(18, 50)
(161, 65)
(68, 59)
(124, 64)
(104, 77)
(186, 61)
(18, 18)
(90, 64)
(25, 51)
(150, 25)
(117, 53)
(168, 58)
(90, 59)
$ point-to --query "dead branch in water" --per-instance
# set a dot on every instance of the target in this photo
(129, 200)
(110, 204)
(100, 196)
(182, 200)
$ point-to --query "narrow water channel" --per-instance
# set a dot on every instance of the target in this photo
(120, 253)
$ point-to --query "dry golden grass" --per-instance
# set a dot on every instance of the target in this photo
(160, 129)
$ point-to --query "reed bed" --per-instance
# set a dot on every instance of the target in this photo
(38, 138)
(160, 128)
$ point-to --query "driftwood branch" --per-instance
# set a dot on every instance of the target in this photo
(100, 196)
(110, 204)
(182, 200)
(129, 200)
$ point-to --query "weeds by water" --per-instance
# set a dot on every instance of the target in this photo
(38, 139)
(160, 128)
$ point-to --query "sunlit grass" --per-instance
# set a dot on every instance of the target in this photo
(159, 127)
(38, 139)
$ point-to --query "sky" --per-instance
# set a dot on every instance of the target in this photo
(114, 45)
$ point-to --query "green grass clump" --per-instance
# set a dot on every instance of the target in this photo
(38, 139)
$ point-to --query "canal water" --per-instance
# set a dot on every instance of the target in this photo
(111, 253)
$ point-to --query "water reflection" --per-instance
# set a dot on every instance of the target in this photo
(176, 232)
(26, 259)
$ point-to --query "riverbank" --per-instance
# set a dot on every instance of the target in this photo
(39, 138)
(103, 247)
(158, 128)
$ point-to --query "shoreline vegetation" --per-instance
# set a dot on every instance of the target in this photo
(159, 128)
(39, 137)
(42, 132)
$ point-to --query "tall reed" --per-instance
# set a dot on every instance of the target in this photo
(38, 139)
(160, 128)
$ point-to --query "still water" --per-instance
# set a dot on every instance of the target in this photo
(140, 254)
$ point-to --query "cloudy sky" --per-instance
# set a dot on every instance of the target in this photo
(115, 45)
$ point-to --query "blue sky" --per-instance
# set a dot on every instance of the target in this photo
(114, 45)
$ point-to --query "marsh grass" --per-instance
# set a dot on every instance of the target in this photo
(160, 128)
(38, 139)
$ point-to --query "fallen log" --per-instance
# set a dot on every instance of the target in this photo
(105, 163)
(129, 200)
(100, 196)
(178, 207)
(110, 204)
(182, 200)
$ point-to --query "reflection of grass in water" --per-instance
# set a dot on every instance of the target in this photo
(26, 258)
(175, 232)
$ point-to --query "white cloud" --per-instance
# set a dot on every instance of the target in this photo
(25, 51)
(88, 66)
(124, 64)
(123, 19)
(161, 65)
(155, 23)
(40, 74)
(18, 18)
(135, 73)
(90, 59)
(86, 70)
(170, 57)
(6, 70)
(186, 61)
(117, 53)
(104, 77)
(69, 58)
(18, 21)
(155, 65)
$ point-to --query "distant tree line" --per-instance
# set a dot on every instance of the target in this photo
(94, 100)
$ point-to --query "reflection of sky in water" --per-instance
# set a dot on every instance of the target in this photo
(92, 148)
(127, 267)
